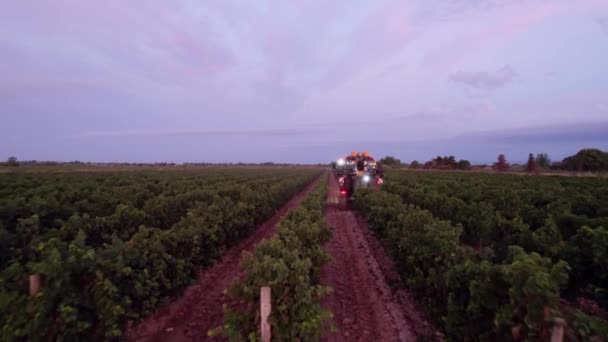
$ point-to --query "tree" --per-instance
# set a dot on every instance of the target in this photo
(464, 164)
(543, 160)
(390, 161)
(531, 166)
(415, 164)
(12, 161)
(502, 164)
(590, 159)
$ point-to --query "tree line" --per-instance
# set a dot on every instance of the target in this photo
(586, 160)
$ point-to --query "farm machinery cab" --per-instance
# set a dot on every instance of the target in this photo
(358, 170)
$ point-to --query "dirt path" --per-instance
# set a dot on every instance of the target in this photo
(364, 305)
(199, 309)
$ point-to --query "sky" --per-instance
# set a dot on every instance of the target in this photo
(301, 80)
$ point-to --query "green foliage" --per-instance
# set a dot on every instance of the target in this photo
(547, 239)
(491, 254)
(543, 160)
(290, 263)
(424, 248)
(390, 161)
(590, 159)
(534, 283)
(587, 254)
(463, 164)
(589, 328)
(447, 163)
(111, 246)
(473, 299)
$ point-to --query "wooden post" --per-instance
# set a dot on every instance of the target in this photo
(557, 332)
(265, 309)
(34, 284)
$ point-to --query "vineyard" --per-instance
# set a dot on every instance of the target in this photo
(181, 255)
(497, 257)
(110, 247)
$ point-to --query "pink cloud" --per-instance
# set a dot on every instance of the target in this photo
(485, 80)
(509, 24)
(194, 55)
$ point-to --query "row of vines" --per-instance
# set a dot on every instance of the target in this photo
(111, 247)
(290, 264)
(499, 257)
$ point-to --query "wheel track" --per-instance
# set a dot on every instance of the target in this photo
(365, 307)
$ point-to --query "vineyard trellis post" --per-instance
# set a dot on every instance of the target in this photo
(557, 332)
(265, 309)
(34, 284)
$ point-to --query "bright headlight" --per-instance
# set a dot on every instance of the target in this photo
(366, 178)
(341, 162)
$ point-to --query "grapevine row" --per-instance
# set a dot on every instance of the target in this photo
(111, 247)
(468, 292)
(290, 264)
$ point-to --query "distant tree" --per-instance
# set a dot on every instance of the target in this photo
(464, 164)
(502, 164)
(12, 161)
(531, 165)
(447, 163)
(415, 164)
(543, 160)
(589, 159)
(390, 161)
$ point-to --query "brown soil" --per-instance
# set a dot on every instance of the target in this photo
(199, 309)
(364, 305)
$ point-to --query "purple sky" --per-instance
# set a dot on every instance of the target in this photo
(300, 80)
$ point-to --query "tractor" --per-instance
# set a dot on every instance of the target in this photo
(358, 170)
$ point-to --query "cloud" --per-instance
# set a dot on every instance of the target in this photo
(550, 74)
(194, 132)
(450, 9)
(587, 132)
(485, 80)
(499, 26)
(603, 22)
(170, 74)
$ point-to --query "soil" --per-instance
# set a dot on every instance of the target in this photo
(367, 302)
(199, 309)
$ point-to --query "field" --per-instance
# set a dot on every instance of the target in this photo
(498, 256)
(179, 254)
(110, 246)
